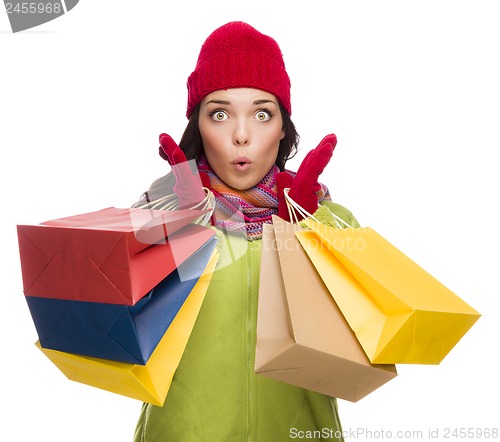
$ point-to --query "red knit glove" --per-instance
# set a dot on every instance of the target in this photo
(187, 187)
(304, 186)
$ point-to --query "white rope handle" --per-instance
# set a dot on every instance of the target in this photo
(166, 202)
(294, 208)
(170, 202)
(337, 219)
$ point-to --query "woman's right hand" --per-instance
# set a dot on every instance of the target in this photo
(187, 186)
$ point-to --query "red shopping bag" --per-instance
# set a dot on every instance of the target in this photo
(112, 256)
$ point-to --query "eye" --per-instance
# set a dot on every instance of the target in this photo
(263, 115)
(219, 115)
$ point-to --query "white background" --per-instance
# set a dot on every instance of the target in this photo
(410, 88)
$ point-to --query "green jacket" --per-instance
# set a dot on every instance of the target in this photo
(215, 395)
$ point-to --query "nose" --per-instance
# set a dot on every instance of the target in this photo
(241, 135)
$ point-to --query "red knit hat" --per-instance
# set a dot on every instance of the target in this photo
(237, 55)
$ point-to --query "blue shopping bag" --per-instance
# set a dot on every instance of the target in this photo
(118, 332)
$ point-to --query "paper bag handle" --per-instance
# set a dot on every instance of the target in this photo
(294, 208)
(170, 202)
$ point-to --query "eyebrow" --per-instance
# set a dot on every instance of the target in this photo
(228, 103)
(258, 102)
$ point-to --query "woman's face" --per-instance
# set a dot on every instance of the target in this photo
(241, 131)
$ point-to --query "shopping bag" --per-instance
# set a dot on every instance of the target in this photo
(118, 332)
(150, 382)
(398, 311)
(302, 337)
(112, 255)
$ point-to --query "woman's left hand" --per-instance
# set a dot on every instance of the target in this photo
(304, 186)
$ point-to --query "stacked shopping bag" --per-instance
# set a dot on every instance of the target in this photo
(339, 307)
(114, 294)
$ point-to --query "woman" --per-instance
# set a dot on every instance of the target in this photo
(240, 135)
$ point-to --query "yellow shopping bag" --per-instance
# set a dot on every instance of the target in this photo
(150, 382)
(398, 311)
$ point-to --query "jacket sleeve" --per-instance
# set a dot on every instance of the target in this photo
(327, 208)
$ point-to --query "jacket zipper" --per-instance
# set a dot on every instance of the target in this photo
(249, 332)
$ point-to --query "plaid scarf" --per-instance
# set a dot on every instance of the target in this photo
(245, 211)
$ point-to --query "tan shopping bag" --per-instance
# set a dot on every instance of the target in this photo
(302, 337)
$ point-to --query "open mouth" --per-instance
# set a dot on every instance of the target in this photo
(242, 164)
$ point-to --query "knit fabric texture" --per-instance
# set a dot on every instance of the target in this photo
(245, 211)
(236, 55)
